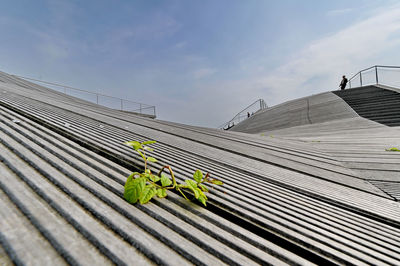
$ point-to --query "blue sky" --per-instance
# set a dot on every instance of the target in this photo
(199, 62)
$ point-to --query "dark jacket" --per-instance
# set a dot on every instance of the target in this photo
(343, 83)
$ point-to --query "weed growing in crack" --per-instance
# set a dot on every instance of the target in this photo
(144, 186)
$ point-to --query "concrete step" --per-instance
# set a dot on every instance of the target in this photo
(371, 115)
(377, 104)
(376, 100)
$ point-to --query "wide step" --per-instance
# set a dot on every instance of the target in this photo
(374, 103)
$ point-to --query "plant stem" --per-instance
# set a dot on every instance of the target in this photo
(177, 188)
(154, 184)
(205, 178)
(145, 161)
(173, 177)
(171, 173)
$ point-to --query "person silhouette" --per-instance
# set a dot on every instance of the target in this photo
(343, 83)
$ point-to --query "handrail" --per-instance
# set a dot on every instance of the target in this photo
(244, 114)
(142, 106)
(376, 67)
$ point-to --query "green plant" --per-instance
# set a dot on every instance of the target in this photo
(392, 149)
(144, 186)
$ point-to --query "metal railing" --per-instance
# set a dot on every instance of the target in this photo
(245, 113)
(101, 99)
(383, 75)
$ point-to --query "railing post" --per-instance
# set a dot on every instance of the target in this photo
(122, 107)
(376, 75)
(360, 79)
(97, 98)
(349, 84)
(140, 108)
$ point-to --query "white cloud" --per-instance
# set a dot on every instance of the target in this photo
(316, 68)
(319, 66)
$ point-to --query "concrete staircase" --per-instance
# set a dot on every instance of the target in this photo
(374, 103)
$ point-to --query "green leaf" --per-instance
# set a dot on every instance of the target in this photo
(148, 142)
(181, 186)
(131, 143)
(202, 199)
(191, 183)
(148, 149)
(215, 182)
(392, 149)
(147, 174)
(198, 176)
(151, 159)
(129, 180)
(134, 144)
(147, 194)
(130, 177)
(165, 181)
(154, 178)
(134, 188)
(162, 192)
(193, 187)
(200, 196)
(203, 187)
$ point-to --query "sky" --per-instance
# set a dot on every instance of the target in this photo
(198, 62)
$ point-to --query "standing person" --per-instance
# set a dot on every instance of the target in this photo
(343, 83)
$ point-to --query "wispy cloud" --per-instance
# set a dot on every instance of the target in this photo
(319, 66)
(316, 68)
